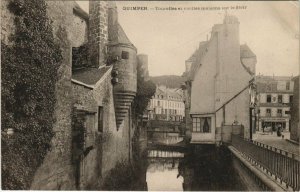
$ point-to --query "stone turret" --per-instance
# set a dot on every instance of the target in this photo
(123, 53)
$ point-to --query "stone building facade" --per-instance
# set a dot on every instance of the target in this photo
(275, 96)
(216, 95)
(99, 91)
(167, 104)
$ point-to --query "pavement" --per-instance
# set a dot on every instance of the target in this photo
(278, 142)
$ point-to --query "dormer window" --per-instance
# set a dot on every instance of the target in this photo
(125, 55)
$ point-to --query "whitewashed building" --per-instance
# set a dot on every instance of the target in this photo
(217, 82)
(167, 104)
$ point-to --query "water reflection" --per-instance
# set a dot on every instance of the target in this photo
(162, 172)
(208, 168)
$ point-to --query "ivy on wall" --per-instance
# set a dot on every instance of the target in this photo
(29, 74)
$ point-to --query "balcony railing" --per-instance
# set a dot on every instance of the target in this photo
(282, 164)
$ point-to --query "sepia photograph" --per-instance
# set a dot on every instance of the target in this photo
(150, 95)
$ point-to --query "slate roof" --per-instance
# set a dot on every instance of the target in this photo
(246, 52)
(80, 12)
(90, 76)
(265, 78)
(122, 37)
(197, 56)
(118, 36)
(168, 92)
(268, 84)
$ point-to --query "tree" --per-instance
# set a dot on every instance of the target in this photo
(145, 90)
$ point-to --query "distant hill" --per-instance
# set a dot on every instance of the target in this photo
(171, 81)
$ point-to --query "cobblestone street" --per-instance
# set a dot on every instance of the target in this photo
(278, 142)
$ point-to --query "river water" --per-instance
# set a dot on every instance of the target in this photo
(202, 169)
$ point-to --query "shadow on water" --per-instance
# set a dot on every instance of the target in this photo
(202, 168)
(199, 168)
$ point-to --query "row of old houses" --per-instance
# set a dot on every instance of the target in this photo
(97, 85)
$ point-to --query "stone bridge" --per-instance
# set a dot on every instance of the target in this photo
(162, 126)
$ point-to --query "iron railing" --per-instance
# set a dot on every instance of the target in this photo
(282, 164)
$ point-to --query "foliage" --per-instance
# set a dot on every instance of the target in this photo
(171, 81)
(145, 90)
(29, 75)
(119, 177)
(126, 177)
(135, 171)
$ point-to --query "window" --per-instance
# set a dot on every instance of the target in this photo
(202, 124)
(100, 119)
(196, 125)
(279, 112)
(125, 55)
(268, 98)
(258, 111)
(291, 98)
(279, 98)
(287, 112)
(268, 112)
(287, 85)
(158, 103)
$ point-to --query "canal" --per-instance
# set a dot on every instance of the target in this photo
(199, 169)
(161, 167)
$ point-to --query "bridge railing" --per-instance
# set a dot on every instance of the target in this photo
(284, 165)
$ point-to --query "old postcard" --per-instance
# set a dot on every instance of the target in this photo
(150, 95)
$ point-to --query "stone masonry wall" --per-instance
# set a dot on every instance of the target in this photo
(7, 22)
(56, 171)
(98, 35)
(111, 146)
(116, 147)
(79, 34)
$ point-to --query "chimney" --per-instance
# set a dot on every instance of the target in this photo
(98, 32)
(112, 22)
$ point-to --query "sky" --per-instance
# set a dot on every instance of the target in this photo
(270, 29)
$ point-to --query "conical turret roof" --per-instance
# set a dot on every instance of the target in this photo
(122, 37)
